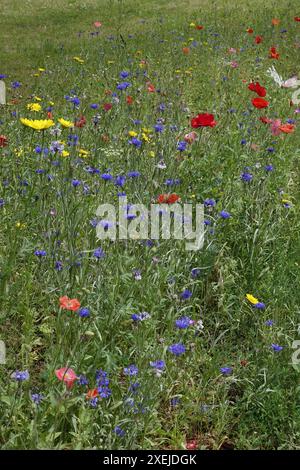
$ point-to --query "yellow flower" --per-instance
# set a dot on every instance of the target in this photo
(151, 154)
(41, 69)
(64, 153)
(79, 60)
(252, 300)
(146, 131)
(36, 74)
(132, 133)
(145, 137)
(83, 153)
(65, 124)
(192, 25)
(20, 225)
(34, 107)
(37, 124)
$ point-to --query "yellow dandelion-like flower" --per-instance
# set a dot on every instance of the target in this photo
(192, 25)
(66, 124)
(84, 153)
(145, 137)
(37, 124)
(20, 225)
(41, 69)
(132, 133)
(34, 107)
(51, 103)
(146, 130)
(64, 153)
(37, 98)
(78, 59)
(253, 300)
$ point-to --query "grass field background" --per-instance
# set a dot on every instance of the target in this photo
(50, 202)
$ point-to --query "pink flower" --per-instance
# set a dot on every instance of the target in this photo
(67, 375)
(275, 126)
(234, 64)
(190, 137)
(97, 24)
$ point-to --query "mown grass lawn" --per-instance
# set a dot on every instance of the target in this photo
(84, 375)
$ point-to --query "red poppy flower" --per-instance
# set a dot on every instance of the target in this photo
(129, 99)
(249, 30)
(191, 445)
(168, 198)
(258, 39)
(3, 141)
(69, 304)
(260, 90)
(273, 54)
(93, 393)
(81, 122)
(297, 18)
(186, 50)
(198, 26)
(203, 120)
(107, 106)
(265, 120)
(260, 103)
(49, 115)
(275, 22)
(150, 87)
(287, 128)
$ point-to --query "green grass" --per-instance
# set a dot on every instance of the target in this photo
(256, 250)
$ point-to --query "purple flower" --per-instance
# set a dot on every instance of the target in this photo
(123, 85)
(76, 183)
(183, 323)
(195, 272)
(224, 214)
(259, 305)
(177, 349)
(119, 431)
(276, 347)
(99, 253)
(136, 142)
(124, 74)
(84, 312)
(106, 176)
(186, 294)
(82, 380)
(226, 370)
(131, 370)
(209, 203)
(247, 177)
(20, 375)
(269, 167)
(159, 365)
(181, 146)
(269, 323)
(40, 253)
(36, 398)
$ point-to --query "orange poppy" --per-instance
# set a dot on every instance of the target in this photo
(275, 22)
(287, 128)
(186, 50)
(93, 393)
(69, 304)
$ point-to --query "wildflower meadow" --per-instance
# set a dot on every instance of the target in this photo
(115, 334)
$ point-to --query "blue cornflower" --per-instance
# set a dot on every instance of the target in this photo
(82, 380)
(195, 272)
(94, 402)
(40, 253)
(133, 174)
(243, 142)
(15, 84)
(84, 312)
(224, 214)
(247, 177)
(76, 183)
(276, 347)
(177, 349)
(159, 365)
(124, 74)
(183, 323)
(106, 176)
(226, 370)
(269, 167)
(209, 203)
(2, 202)
(120, 180)
(136, 142)
(159, 128)
(104, 391)
(20, 375)
(119, 431)
(99, 253)
(259, 305)
(131, 370)
(94, 106)
(186, 294)
(123, 85)
(269, 323)
(58, 265)
(36, 398)
(181, 146)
